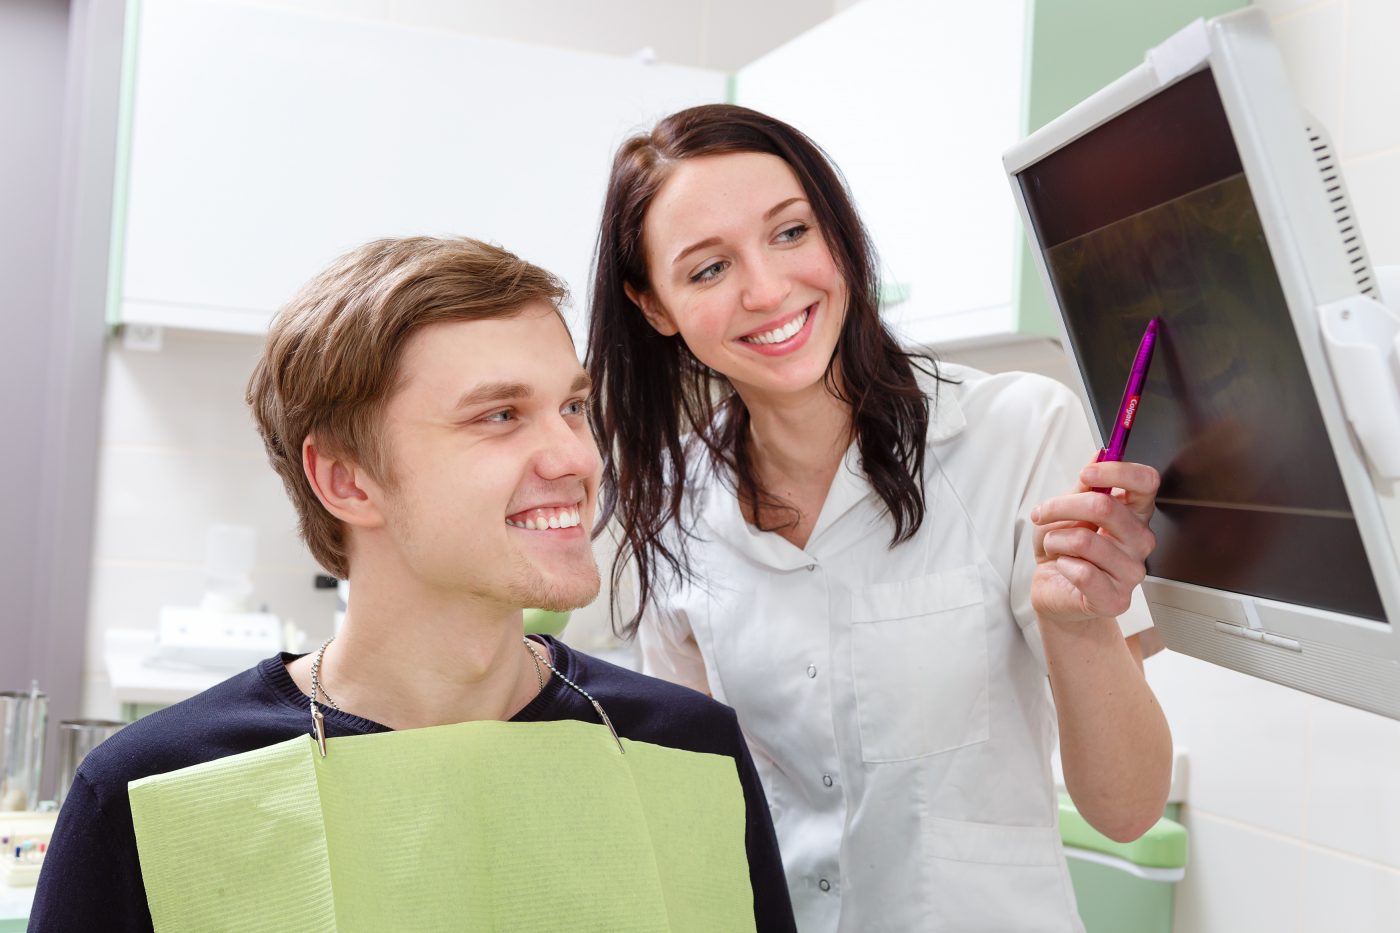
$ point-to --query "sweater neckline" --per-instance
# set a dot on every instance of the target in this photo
(275, 674)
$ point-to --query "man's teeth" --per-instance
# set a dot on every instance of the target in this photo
(779, 334)
(545, 519)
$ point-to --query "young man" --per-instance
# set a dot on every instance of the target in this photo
(422, 402)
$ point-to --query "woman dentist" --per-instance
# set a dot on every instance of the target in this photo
(876, 560)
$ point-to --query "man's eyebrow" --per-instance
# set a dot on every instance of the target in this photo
(714, 240)
(511, 391)
(494, 392)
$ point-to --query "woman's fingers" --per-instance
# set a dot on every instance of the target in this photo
(1108, 514)
(1138, 482)
(1100, 594)
(1100, 551)
(1091, 547)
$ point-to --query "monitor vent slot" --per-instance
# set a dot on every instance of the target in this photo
(1339, 203)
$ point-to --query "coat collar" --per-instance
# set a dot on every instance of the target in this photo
(946, 419)
(720, 507)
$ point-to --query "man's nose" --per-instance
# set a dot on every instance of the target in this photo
(566, 451)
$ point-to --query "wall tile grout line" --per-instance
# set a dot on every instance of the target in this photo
(1191, 812)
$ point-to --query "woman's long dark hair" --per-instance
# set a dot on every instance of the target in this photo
(658, 408)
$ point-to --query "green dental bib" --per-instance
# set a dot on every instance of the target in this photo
(518, 827)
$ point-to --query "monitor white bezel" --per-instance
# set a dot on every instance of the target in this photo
(1268, 127)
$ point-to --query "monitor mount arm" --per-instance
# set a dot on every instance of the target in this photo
(1361, 337)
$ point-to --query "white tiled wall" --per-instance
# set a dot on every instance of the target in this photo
(179, 453)
(1294, 802)
(1293, 811)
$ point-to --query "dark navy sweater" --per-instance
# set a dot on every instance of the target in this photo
(91, 878)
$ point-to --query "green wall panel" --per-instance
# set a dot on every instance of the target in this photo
(1076, 47)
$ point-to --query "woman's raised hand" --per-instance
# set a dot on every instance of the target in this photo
(1091, 548)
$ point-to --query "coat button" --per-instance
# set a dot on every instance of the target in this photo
(811, 670)
(811, 567)
(824, 885)
(826, 780)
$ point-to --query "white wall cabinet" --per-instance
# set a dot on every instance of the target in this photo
(263, 142)
(915, 102)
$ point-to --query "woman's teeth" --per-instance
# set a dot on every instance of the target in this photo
(779, 334)
(545, 519)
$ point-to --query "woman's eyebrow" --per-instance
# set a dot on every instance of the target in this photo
(703, 244)
(781, 206)
(714, 240)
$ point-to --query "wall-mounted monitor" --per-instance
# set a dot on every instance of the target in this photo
(1195, 190)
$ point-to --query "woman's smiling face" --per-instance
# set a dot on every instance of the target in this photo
(739, 268)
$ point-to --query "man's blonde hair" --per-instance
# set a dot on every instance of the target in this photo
(331, 360)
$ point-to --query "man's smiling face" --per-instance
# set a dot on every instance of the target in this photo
(495, 471)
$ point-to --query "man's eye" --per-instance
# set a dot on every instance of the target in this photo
(500, 417)
(577, 407)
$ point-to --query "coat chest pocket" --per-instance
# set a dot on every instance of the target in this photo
(919, 665)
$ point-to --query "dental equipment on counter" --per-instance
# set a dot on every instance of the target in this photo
(224, 632)
(195, 647)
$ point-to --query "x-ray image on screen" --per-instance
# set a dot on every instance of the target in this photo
(1150, 215)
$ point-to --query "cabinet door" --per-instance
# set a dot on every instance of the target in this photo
(265, 142)
(915, 102)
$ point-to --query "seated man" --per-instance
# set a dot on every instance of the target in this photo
(422, 402)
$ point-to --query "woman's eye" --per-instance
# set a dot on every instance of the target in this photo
(577, 407)
(708, 273)
(793, 234)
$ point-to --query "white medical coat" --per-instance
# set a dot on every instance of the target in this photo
(896, 700)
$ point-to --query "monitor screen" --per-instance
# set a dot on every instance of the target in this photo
(1150, 214)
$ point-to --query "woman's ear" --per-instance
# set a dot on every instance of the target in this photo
(657, 316)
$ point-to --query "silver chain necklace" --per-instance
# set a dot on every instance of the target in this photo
(318, 689)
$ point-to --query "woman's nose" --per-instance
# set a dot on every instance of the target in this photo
(766, 287)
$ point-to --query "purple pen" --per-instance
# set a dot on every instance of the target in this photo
(1132, 396)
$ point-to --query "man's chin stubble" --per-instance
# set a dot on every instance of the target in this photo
(533, 590)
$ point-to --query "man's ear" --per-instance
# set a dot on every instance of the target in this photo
(657, 316)
(343, 487)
